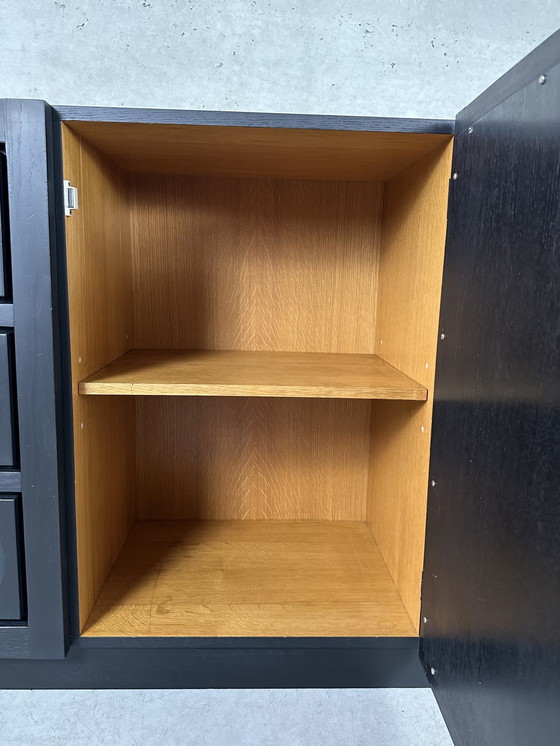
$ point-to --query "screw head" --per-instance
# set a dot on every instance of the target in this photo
(470, 130)
(455, 176)
(433, 483)
(433, 671)
(542, 79)
(425, 620)
(442, 336)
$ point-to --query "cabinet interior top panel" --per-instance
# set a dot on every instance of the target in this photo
(258, 151)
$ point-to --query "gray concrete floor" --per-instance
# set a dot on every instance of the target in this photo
(243, 717)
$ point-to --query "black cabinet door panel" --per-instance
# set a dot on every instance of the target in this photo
(491, 591)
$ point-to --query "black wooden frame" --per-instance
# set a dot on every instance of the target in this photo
(122, 662)
(26, 132)
(252, 119)
(168, 663)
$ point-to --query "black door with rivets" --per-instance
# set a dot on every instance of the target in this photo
(491, 589)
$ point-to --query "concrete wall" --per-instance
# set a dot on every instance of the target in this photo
(425, 58)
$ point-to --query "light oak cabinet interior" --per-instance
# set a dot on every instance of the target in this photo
(253, 327)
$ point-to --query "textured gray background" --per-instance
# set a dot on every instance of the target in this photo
(423, 58)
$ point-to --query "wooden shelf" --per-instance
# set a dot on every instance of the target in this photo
(235, 373)
(249, 579)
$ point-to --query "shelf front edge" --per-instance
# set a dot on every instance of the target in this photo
(96, 388)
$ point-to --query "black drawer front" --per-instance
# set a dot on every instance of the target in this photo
(11, 560)
(8, 431)
(5, 290)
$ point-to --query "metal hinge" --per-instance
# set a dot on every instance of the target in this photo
(70, 198)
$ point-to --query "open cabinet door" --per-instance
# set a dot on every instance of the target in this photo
(491, 588)
(32, 565)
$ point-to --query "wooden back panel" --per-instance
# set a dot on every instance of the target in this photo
(244, 264)
(254, 265)
(234, 458)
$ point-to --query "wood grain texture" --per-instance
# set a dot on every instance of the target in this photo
(249, 578)
(255, 264)
(410, 272)
(235, 373)
(269, 152)
(235, 458)
(99, 268)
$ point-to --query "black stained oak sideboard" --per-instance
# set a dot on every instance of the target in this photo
(228, 458)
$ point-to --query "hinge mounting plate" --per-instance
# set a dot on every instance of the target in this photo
(70, 198)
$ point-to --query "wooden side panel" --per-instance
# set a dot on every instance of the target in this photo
(410, 272)
(101, 329)
(241, 264)
(235, 458)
